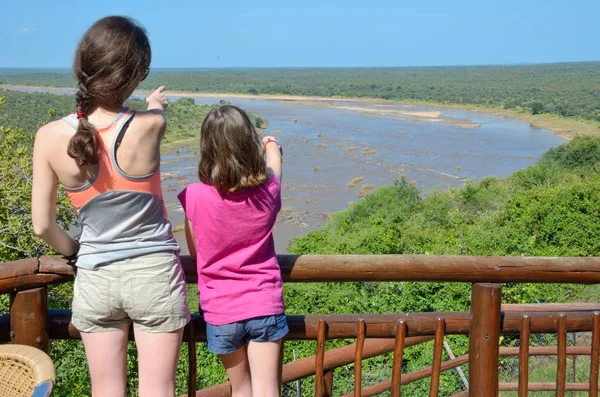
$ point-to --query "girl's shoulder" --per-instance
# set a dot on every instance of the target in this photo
(195, 188)
(273, 182)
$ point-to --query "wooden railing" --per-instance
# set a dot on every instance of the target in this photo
(31, 322)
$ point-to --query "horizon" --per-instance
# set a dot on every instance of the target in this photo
(313, 34)
(192, 68)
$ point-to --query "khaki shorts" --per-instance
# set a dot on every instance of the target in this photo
(148, 290)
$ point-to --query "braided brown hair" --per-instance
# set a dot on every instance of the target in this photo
(112, 55)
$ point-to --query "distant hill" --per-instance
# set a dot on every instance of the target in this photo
(565, 89)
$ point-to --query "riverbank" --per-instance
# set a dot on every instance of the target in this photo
(563, 127)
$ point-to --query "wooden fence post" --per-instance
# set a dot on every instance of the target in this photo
(29, 318)
(484, 342)
(328, 383)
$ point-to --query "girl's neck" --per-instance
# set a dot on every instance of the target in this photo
(103, 114)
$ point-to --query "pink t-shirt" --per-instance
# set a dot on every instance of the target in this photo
(238, 273)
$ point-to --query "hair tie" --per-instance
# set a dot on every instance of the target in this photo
(80, 114)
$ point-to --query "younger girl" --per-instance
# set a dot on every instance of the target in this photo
(230, 218)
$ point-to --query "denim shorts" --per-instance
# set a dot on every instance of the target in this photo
(227, 338)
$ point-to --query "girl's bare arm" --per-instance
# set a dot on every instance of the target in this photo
(43, 200)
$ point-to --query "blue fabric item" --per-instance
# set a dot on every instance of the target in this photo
(227, 338)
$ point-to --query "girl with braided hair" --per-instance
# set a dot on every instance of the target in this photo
(107, 158)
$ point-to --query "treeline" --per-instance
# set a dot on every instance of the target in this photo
(566, 89)
(27, 110)
(549, 209)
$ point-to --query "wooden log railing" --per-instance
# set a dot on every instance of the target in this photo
(30, 322)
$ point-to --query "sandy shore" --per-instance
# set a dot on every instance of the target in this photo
(565, 128)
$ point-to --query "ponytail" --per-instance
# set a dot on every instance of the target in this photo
(83, 146)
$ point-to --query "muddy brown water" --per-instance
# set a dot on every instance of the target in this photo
(326, 148)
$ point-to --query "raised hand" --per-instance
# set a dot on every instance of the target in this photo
(157, 100)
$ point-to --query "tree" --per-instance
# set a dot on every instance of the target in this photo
(537, 107)
(259, 122)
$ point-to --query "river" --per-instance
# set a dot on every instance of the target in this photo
(328, 144)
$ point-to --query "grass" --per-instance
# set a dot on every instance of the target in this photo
(369, 151)
(316, 169)
(351, 149)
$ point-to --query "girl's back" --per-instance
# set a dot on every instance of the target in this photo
(235, 250)
(230, 217)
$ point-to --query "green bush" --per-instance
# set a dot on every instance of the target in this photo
(549, 209)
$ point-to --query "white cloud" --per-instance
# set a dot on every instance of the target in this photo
(26, 29)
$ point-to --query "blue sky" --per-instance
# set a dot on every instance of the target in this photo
(201, 33)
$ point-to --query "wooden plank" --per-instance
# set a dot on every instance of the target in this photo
(595, 355)
(398, 353)
(328, 383)
(524, 356)
(484, 340)
(434, 386)
(378, 326)
(56, 265)
(543, 386)
(319, 358)
(29, 318)
(449, 268)
(561, 357)
(464, 393)
(22, 267)
(358, 357)
(31, 281)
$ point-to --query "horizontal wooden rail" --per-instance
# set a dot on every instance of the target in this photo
(342, 268)
(29, 274)
(340, 326)
(543, 386)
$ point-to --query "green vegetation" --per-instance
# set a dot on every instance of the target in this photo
(27, 109)
(549, 209)
(565, 89)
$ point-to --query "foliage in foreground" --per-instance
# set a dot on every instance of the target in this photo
(549, 209)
